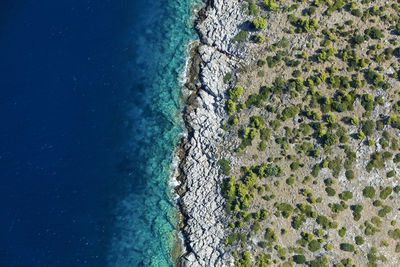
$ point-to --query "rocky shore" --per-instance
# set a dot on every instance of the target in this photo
(201, 201)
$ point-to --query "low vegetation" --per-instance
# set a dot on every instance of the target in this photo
(313, 126)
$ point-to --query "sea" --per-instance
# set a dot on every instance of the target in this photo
(90, 112)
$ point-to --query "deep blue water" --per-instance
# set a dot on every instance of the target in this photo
(89, 108)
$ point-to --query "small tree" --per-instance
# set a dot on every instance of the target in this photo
(235, 93)
(270, 5)
(258, 38)
(230, 107)
(359, 240)
(299, 259)
(349, 174)
(369, 192)
(330, 118)
(314, 245)
(259, 23)
(347, 247)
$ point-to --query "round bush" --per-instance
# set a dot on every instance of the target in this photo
(349, 174)
(299, 259)
(359, 240)
(259, 23)
(369, 192)
(330, 191)
(314, 245)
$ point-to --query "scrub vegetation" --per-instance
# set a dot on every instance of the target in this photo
(311, 148)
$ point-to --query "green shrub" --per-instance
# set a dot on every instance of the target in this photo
(290, 181)
(370, 229)
(262, 146)
(337, 5)
(395, 234)
(338, 207)
(384, 211)
(374, 33)
(387, 155)
(241, 36)
(294, 166)
(369, 192)
(313, 115)
(299, 259)
(385, 192)
(335, 165)
(233, 120)
(330, 118)
(256, 226)
(257, 122)
(302, 24)
(328, 247)
(396, 158)
(260, 63)
(286, 209)
(357, 12)
(253, 9)
(270, 235)
(229, 240)
(270, 5)
(314, 245)
(245, 261)
(358, 39)
(329, 139)
(275, 124)
(349, 174)
(262, 244)
(355, 121)
(259, 23)
(342, 232)
(357, 211)
(323, 221)
(330, 191)
(265, 134)
(281, 253)
(289, 112)
(377, 80)
(235, 93)
(326, 54)
(297, 221)
(315, 170)
(264, 215)
(346, 195)
(396, 189)
(308, 237)
(390, 174)
(296, 73)
(258, 38)
(225, 166)
(347, 247)
(377, 203)
(230, 107)
(359, 240)
(227, 77)
(368, 127)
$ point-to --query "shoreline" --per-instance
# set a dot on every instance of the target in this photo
(304, 141)
(199, 200)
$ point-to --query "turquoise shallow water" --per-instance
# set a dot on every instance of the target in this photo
(90, 105)
(146, 223)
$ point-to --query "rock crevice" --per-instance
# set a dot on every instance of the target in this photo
(201, 201)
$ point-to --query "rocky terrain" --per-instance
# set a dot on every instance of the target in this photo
(201, 199)
(293, 152)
